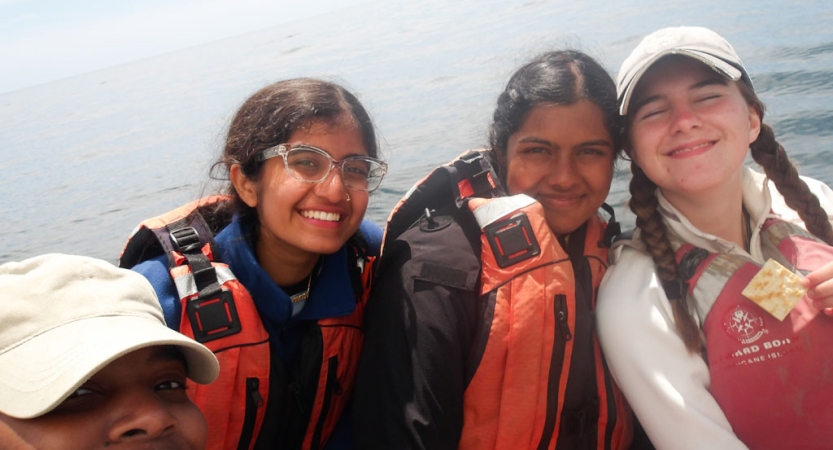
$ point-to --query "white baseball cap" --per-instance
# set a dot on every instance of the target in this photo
(63, 318)
(699, 43)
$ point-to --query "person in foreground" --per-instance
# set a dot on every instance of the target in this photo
(86, 360)
(703, 365)
(479, 331)
(274, 275)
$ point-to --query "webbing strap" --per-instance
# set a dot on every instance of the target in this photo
(212, 313)
(473, 176)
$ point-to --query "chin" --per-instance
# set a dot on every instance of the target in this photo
(325, 247)
(560, 227)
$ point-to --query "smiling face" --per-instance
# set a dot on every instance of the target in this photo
(690, 128)
(136, 401)
(562, 156)
(304, 219)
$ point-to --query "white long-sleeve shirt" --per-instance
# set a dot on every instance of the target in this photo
(667, 386)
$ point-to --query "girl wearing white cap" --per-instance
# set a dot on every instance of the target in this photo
(701, 363)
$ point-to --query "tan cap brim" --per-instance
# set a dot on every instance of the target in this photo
(39, 373)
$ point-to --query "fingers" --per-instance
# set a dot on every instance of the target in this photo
(819, 284)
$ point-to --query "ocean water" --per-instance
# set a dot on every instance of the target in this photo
(85, 159)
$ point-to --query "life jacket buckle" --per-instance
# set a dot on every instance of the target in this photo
(473, 176)
(512, 240)
(213, 316)
(185, 239)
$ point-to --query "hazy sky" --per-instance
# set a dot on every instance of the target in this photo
(46, 40)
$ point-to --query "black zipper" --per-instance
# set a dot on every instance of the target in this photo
(562, 335)
(253, 401)
(333, 387)
(563, 314)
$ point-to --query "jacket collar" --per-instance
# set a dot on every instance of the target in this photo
(331, 294)
(756, 199)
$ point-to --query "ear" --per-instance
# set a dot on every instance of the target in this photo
(754, 124)
(246, 188)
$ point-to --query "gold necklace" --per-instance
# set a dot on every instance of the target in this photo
(301, 296)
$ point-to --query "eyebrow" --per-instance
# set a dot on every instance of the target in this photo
(537, 140)
(534, 140)
(365, 154)
(709, 81)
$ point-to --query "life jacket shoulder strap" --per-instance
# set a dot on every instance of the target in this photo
(445, 190)
(360, 264)
(155, 236)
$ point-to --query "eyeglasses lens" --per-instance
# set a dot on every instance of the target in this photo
(357, 172)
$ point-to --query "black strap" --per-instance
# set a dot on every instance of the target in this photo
(476, 169)
(212, 313)
(356, 261)
(613, 228)
(690, 262)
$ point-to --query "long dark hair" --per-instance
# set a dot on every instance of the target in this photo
(772, 157)
(561, 77)
(271, 115)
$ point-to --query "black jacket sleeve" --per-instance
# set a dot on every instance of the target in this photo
(420, 323)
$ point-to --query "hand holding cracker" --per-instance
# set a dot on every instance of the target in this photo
(819, 284)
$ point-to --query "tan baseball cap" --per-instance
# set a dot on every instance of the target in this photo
(699, 43)
(66, 317)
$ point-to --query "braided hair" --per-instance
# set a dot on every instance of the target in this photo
(772, 157)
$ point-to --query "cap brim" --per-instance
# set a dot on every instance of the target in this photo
(41, 372)
(718, 65)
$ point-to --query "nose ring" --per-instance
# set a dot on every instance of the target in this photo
(348, 196)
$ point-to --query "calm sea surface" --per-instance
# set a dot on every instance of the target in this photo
(87, 158)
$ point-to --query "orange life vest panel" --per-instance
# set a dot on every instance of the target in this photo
(218, 311)
(772, 379)
(529, 350)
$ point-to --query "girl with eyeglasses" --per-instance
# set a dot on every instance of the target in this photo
(273, 275)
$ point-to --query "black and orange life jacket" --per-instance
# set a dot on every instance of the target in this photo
(218, 311)
(773, 379)
(522, 364)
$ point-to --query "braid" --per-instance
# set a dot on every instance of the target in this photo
(645, 206)
(773, 158)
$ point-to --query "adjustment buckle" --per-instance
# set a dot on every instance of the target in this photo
(512, 240)
(185, 239)
(213, 317)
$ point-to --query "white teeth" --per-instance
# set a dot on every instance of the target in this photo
(321, 215)
(691, 148)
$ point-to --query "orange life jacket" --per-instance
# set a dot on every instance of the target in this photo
(515, 398)
(772, 379)
(218, 311)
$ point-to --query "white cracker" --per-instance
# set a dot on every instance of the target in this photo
(775, 289)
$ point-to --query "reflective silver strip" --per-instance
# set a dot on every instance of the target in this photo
(186, 286)
(496, 208)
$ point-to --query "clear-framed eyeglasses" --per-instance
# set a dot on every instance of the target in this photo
(313, 165)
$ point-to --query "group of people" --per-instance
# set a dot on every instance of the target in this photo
(500, 308)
